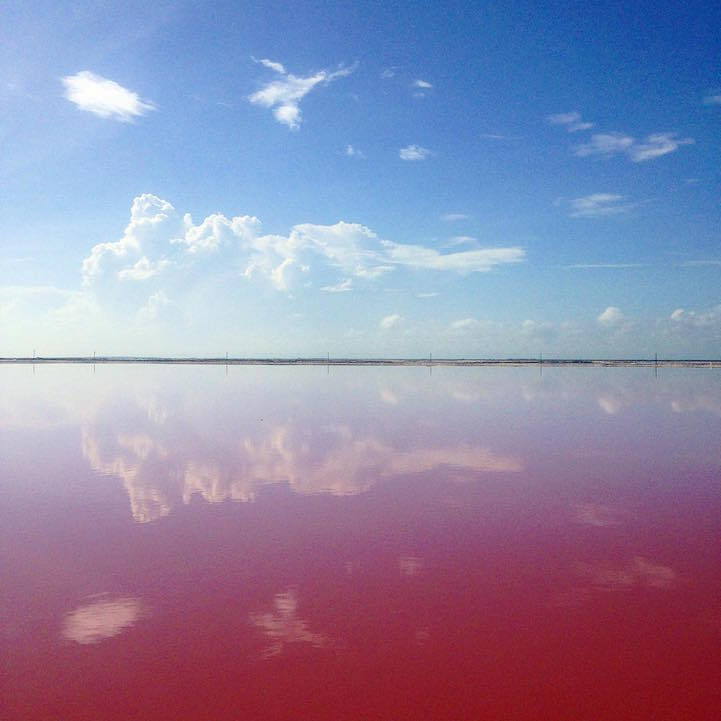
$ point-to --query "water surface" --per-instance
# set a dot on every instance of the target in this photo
(359, 543)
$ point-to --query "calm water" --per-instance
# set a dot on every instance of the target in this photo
(363, 543)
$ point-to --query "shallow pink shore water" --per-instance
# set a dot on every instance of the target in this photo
(362, 543)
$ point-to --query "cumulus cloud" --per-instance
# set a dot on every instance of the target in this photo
(571, 121)
(423, 84)
(105, 98)
(611, 317)
(598, 205)
(163, 249)
(390, 321)
(284, 95)
(413, 152)
(654, 146)
(698, 319)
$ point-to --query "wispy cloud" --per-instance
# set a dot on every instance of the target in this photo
(467, 261)
(598, 205)
(694, 263)
(712, 99)
(654, 145)
(461, 240)
(571, 121)
(285, 94)
(606, 265)
(605, 144)
(352, 152)
(413, 152)
(390, 321)
(104, 98)
(342, 287)
(427, 295)
(453, 217)
(423, 84)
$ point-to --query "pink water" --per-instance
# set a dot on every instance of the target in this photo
(363, 543)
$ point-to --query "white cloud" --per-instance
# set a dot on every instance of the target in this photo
(342, 287)
(605, 144)
(611, 317)
(427, 295)
(388, 73)
(571, 121)
(278, 67)
(164, 254)
(353, 152)
(390, 321)
(712, 99)
(698, 319)
(104, 97)
(654, 145)
(461, 240)
(413, 152)
(425, 85)
(284, 95)
(467, 261)
(597, 205)
(453, 217)
(465, 324)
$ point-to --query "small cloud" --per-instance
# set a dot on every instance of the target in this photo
(571, 121)
(284, 95)
(278, 67)
(342, 287)
(388, 73)
(461, 240)
(390, 321)
(453, 217)
(427, 295)
(498, 136)
(606, 265)
(693, 263)
(656, 145)
(104, 98)
(465, 324)
(413, 152)
(597, 205)
(605, 144)
(353, 152)
(712, 99)
(423, 84)
(611, 317)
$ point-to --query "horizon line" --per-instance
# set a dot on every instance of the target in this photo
(328, 360)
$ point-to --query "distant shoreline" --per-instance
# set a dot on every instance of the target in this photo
(620, 362)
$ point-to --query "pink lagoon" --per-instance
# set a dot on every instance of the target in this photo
(359, 543)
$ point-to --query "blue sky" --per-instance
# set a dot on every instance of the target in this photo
(467, 179)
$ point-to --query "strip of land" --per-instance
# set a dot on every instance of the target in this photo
(708, 363)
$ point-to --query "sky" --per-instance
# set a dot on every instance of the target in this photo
(467, 179)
